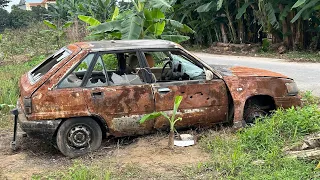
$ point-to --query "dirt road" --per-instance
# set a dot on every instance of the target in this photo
(128, 157)
(307, 75)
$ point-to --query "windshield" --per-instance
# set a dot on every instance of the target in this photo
(48, 64)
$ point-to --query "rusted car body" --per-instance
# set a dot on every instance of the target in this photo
(115, 97)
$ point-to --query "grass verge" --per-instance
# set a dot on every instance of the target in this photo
(257, 152)
(9, 89)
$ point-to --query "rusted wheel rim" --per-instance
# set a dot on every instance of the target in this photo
(79, 136)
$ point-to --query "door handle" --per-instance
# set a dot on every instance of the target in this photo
(164, 90)
(97, 94)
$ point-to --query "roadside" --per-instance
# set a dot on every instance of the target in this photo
(256, 50)
(305, 74)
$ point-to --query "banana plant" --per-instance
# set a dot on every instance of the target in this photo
(145, 21)
(58, 31)
(172, 120)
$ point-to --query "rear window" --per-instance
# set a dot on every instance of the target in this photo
(49, 63)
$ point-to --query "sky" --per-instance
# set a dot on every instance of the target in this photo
(15, 2)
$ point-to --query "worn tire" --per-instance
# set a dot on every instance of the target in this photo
(78, 136)
(252, 112)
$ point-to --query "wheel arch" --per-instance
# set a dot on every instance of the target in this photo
(266, 102)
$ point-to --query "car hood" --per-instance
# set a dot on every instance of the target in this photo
(242, 71)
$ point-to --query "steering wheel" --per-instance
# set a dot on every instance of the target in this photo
(167, 75)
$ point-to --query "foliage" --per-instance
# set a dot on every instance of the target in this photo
(57, 31)
(4, 20)
(66, 10)
(4, 3)
(257, 152)
(19, 18)
(146, 20)
(172, 120)
(9, 77)
(21, 44)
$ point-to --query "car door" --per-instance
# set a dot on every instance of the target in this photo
(205, 102)
(119, 97)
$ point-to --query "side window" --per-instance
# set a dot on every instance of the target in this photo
(75, 78)
(173, 66)
(98, 76)
(123, 69)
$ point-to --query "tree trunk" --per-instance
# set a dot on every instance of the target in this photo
(233, 31)
(223, 33)
(240, 26)
(285, 29)
(171, 139)
(297, 41)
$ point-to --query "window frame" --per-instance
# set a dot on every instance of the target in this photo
(85, 77)
(146, 50)
(142, 64)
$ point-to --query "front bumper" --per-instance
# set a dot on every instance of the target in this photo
(288, 101)
(40, 128)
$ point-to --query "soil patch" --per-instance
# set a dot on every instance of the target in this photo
(35, 156)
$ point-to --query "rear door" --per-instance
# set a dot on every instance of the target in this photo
(205, 102)
(119, 94)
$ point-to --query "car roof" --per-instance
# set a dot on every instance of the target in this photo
(127, 44)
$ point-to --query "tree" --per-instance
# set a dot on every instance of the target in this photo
(4, 20)
(4, 3)
(20, 18)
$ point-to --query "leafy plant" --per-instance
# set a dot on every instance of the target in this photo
(146, 20)
(59, 31)
(172, 120)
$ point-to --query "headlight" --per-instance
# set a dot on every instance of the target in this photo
(292, 89)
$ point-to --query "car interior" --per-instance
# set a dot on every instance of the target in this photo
(126, 69)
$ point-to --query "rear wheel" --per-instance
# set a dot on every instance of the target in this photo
(78, 136)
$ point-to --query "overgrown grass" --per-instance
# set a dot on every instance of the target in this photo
(257, 152)
(19, 44)
(9, 88)
(9, 77)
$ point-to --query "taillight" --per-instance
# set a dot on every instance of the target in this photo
(27, 105)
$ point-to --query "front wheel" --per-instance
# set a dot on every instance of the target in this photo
(78, 136)
(252, 113)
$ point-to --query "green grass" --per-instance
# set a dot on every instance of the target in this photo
(9, 77)
(257, 152)
(303, 56)
(9, 89)
(102, 170)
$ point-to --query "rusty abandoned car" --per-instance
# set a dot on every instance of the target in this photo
(89, 90)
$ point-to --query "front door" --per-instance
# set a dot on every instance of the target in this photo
(117, 91)
(205, 102)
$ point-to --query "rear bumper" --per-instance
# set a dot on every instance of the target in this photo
(288, 101)
(40, 129)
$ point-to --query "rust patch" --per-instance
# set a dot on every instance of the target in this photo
(242, 88)
(203, 104)
(246, 71)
